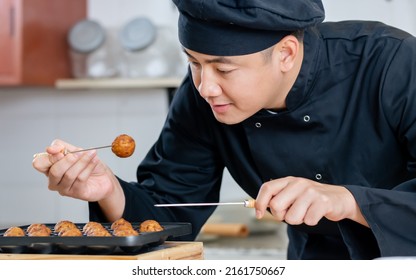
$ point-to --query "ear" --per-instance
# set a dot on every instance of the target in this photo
(289, 50)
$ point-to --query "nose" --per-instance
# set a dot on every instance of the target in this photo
(208, 87)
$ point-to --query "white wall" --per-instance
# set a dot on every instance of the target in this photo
(399, 13)
(30, 118)
(115, 13)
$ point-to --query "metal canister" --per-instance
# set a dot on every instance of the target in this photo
(90, 51)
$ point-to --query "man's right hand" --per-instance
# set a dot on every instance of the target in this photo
(81, 175)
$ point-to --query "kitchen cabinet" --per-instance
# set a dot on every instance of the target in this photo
(33, 45)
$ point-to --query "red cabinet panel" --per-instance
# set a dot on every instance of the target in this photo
(33, 46)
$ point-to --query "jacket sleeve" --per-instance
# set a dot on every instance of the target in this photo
(182, 166)
(391, 212)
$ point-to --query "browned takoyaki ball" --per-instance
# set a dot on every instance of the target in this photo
(70, 232)
(34, 227)
(122, 227)
(125, 232)
(91, 227)
(14, 231)
(121, 223)
(123, 146)
(63, 225)
(150, 226)
(95, 229)
(38, 230)
(99, 232)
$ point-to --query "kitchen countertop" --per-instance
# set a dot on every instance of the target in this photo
(166, 251)
(255, 247)
(267, 239)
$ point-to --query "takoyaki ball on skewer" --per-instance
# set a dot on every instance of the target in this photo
(123, 146)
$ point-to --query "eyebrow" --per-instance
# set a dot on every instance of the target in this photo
(219, 59)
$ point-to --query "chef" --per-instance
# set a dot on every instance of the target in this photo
(314, 120)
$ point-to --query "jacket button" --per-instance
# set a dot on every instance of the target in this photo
(318, 177)
(258, 125)
(306, 118)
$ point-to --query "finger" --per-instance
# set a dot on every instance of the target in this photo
(295, 214)
(79, 188)
(266, 193)
(313, 215)
(85, 174)
(289, 200)
(58, 146)
(81, 168)
(58, 170)
(262, 200)
(277, 210)
(43, 161)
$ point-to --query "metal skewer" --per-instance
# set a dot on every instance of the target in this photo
(249, 203)
(83, 150)
(65, 151)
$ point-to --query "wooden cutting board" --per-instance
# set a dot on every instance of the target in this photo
(169, 250)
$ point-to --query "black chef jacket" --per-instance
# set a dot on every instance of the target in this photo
(350, 120)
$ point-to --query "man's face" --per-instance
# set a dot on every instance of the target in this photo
(236, 87)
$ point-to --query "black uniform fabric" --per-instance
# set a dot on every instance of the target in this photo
(350, 120)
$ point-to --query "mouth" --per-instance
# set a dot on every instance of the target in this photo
(220, 108)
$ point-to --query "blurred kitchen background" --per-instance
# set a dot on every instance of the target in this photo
(116, 95)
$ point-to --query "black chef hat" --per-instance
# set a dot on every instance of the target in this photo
(238, 27)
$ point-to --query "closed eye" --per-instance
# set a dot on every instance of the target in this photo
(194, 64)
(224, 71)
